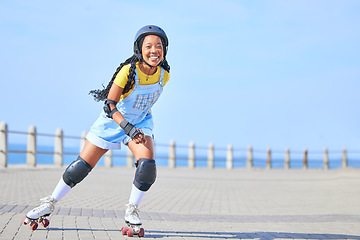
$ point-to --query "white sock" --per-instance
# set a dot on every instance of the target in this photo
(136, 195)
(60, 190)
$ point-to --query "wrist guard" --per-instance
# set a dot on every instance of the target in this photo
(129, 129)
(107, 109)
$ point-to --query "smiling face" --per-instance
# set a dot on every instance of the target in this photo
(152, 50)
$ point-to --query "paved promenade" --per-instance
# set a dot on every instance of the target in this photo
(189, 204)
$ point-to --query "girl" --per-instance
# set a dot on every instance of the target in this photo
(134, 88)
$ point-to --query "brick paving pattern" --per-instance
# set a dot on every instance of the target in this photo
(189, 204)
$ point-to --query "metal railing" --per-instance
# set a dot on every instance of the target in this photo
(181, 155)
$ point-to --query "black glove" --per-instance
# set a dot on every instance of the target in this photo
(129, 129)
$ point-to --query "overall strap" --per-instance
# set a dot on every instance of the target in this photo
(161, 80)
(137, 80)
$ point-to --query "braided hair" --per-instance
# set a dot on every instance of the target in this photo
(101, 95)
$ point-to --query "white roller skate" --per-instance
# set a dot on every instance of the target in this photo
(133, 222)
(39, 214)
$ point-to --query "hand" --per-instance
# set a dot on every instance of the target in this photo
(139, 138)
(134, 133)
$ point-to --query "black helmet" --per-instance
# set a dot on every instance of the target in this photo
(149, 30)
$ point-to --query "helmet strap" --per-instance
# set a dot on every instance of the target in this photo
(151, 66)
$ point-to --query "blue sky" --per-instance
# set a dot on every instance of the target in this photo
(265, 73)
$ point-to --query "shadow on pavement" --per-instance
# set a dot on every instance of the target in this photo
(248, 235)
(222, 235)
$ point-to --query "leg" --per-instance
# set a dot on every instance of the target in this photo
(144, 150)
(145, 176)
(79, 169)
(73, 174)
(91, 153)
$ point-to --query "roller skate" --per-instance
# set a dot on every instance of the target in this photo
(39, 214)
(133, 222)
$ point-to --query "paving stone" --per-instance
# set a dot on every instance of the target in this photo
(189, 204)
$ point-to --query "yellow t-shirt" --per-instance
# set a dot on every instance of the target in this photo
(122, 77)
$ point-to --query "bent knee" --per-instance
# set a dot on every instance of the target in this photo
(145, 174)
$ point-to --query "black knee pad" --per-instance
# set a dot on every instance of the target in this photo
(145, 174)
(76, 172)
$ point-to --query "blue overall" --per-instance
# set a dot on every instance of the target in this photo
(107, 134)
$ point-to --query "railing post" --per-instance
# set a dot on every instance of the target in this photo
(249, 157)
(108, 159)
(211, 156)
(287, 158)
(305, 161)
(172, 154)
(129, 159)
(3, 144)
(268, 158)
(59, 148)
(229, 157)
(31, 147)
(83, 140)
(326, 159)
(344, 158)
(191, 157)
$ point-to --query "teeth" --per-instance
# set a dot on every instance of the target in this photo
(154, 58)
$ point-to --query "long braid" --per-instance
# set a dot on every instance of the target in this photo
(131, 78)
(164, 64)
(101, 94)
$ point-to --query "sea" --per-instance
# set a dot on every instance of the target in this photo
(45, 155)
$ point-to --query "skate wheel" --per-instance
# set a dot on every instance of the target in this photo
(130, 232)
(124, 230)
(25, 220)
(45, 222)
(141, 232)
(33, 225)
